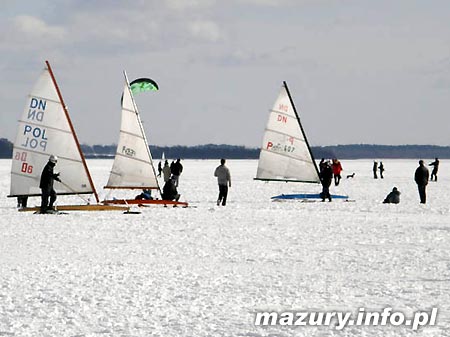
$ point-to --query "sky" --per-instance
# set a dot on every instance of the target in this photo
(359, 71)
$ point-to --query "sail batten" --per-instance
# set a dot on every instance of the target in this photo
(288, 156)
(133, 164)
(45, 129)
(285, 134)
(48, 127)
(146, 161)
(285, 154)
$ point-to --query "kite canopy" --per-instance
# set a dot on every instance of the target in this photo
(143, 84)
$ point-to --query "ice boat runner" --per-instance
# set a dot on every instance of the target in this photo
(133, 165)
(44, 129)
(285, 153)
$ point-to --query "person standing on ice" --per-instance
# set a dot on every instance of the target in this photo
(224, 180)
(435, 165)
(421, 177)
(326, 176)
(337, 169)
(176, 170)
(166, 171)
(374, 169)
(381, 168)
(46, 185)
(159, 169)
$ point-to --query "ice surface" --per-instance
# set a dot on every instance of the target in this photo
(206, 270)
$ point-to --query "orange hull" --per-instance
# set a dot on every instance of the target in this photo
(145, 202)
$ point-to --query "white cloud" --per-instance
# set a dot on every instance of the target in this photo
(188, 4)
(206, 30)
(34, 27)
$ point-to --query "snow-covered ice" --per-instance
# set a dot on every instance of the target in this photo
(206, 270)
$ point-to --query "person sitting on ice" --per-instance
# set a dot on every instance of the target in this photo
(393, 197)
(170, 190)
(145, 195)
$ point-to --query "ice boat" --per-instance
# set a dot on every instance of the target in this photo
(133, 165)
(44, 129)
(285, 152)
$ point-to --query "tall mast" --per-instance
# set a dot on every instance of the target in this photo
(73, 131)
(301, 127)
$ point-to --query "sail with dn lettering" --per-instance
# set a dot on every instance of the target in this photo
(285, 152)
(45, 129)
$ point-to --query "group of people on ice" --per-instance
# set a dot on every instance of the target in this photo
(171, 176)
(421, 177)
(327, 170)
(377, 167)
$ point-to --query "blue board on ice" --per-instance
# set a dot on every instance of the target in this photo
(307, 196)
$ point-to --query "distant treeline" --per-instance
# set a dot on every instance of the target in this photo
(364, 151)
(208, 151)
(212, 151)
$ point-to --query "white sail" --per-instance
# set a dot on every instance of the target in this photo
(133, 166)
(45, 129)
(285, 153)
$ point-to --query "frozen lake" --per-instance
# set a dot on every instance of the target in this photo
(206, 270)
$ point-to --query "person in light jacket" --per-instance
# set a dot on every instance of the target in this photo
(166, 171)
(224, 180)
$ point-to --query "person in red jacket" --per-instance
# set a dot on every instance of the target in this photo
(337, 169)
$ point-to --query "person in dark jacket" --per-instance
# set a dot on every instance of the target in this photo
(159, 169)
(326, 176)
(321, 165)
(170, 191)
(176, 170)
(381, 168)
(374, 169)
(435, 165)
(22, 201)
(393, 197)
(46, 185)
(421, 177)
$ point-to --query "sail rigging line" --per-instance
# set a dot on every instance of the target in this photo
(141, 128)
(301, 128)
(74, 192)
(73, 130)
